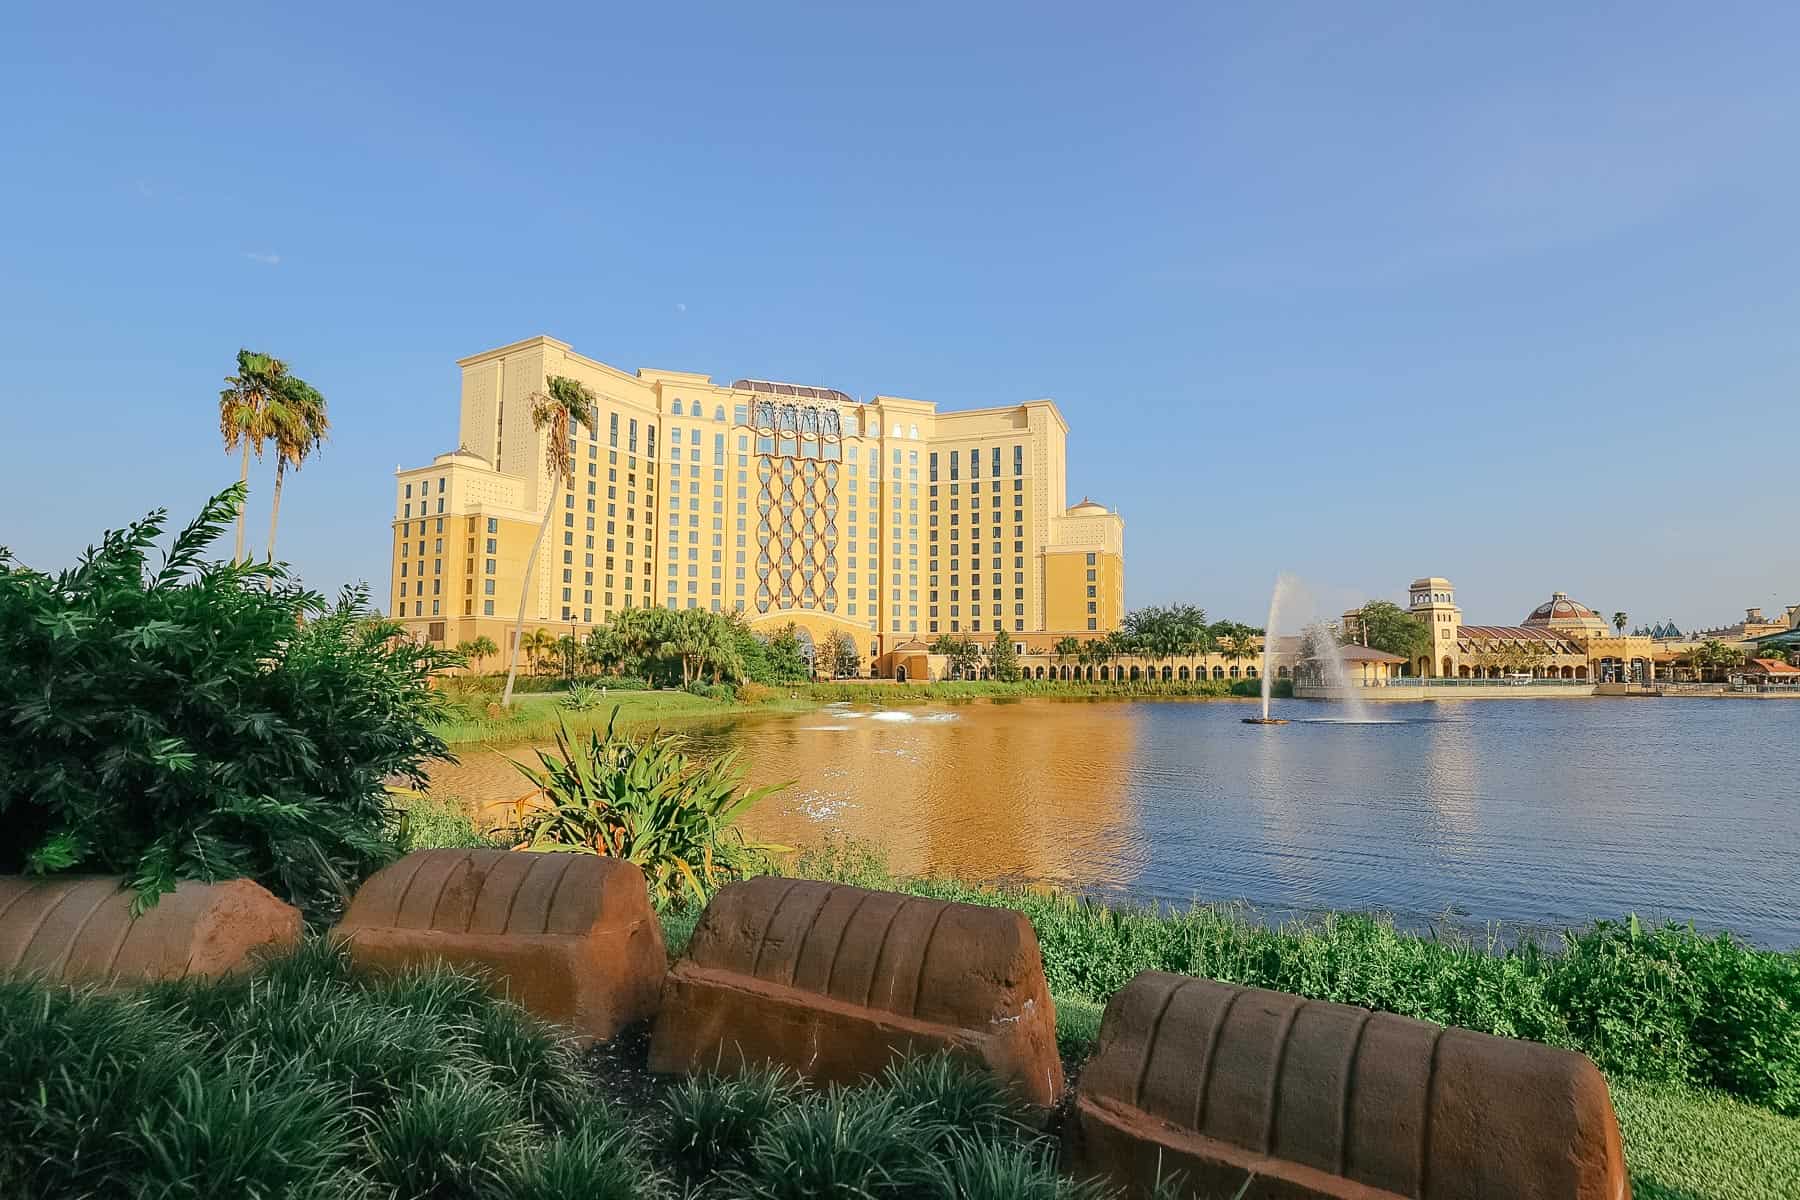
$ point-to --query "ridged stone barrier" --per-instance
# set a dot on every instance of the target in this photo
(837, 981)
(79, 929)
(569, 936)
(1317, 1101)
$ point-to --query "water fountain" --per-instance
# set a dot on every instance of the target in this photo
(1320, 644)
(1283, 583)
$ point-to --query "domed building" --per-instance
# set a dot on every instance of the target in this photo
(1560, 639)
(1563, 615)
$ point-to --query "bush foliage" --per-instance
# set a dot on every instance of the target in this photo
(177, 718)
(642, 799)
(304, 1081)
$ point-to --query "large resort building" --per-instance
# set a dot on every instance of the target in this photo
(884, 519)
(1560, 639)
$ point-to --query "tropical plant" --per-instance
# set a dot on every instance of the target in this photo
(185, 719)
(1067, 649)
(538, 645)
(642, 799)
(480, 649)
(1619, 619)
(1003, 659)
(245, 420)
(583, 697)
(298, 426)
(567, 653)
(557, 413)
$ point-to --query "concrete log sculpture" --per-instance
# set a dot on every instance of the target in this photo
(569, 936)
(837, 981)
(1317, 1101)
(79, 930)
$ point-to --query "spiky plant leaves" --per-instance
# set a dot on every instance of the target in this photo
(959, 1099)
(842, 1143)
(448, 1139)
(712, 1122)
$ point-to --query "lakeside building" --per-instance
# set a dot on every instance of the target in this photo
(1560, 639)
(884, 519)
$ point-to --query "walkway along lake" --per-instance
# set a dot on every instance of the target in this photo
(1536, 813)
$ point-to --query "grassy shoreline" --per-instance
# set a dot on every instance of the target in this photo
(535, 715)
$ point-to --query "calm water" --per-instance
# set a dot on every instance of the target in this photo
(1536, 813)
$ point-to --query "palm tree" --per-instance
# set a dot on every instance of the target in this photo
(476, 649)
(1619, 620)
(244, 416)
(566, 406)
(539, 644)
(298, 425)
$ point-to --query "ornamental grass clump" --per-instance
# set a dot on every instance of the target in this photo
(642, 799)
(167, 718)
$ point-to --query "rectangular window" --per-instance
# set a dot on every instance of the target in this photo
(612, 435)
(1018, 460)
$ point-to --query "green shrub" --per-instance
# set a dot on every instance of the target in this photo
(842, 1143)
(712, 1122)
(185, 719)
(711, 691)
(642, 799)
(963, 1102)
(589, 1163)
(445, 1138)
(582, 697)
(986, 1170)
(1663, 1005)
(423, 821)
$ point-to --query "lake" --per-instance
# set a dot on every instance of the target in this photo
(1531, 814)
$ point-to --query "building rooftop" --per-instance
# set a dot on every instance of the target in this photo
(1561, 612)
(791, 389)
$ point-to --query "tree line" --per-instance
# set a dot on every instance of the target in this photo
(670, 646)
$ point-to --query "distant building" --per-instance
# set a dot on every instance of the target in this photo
(884, 519)
(1559, 639)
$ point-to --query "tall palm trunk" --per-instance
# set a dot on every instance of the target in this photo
(275, 511)
(243, 482)
(512, 669)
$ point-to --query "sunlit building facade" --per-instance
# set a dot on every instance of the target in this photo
(882, 518)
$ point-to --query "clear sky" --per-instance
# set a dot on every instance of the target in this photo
(1361, 292)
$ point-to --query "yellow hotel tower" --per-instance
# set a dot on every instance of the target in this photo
(885, 519)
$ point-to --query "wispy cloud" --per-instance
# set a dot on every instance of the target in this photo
(680, 308)
(267, 259)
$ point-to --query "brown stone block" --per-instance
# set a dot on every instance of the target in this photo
(837, 981)
(569, 936)
(1316, 1101)
(79, 929)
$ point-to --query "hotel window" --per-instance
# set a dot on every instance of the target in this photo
(996, 464)
(409, 491)
(676, 409)
(1018, 462)
(612, 436)
(631, 437)
(1093, 623)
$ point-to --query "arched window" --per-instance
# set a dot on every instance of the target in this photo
(1250, 671)
(1218, 672)
(1167, 674)
(1182, 675)
(1134, 674)
(675, 408)
(718, 412)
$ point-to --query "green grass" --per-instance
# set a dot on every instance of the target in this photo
(536, 716)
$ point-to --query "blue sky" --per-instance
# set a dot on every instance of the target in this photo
(1358, 292)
